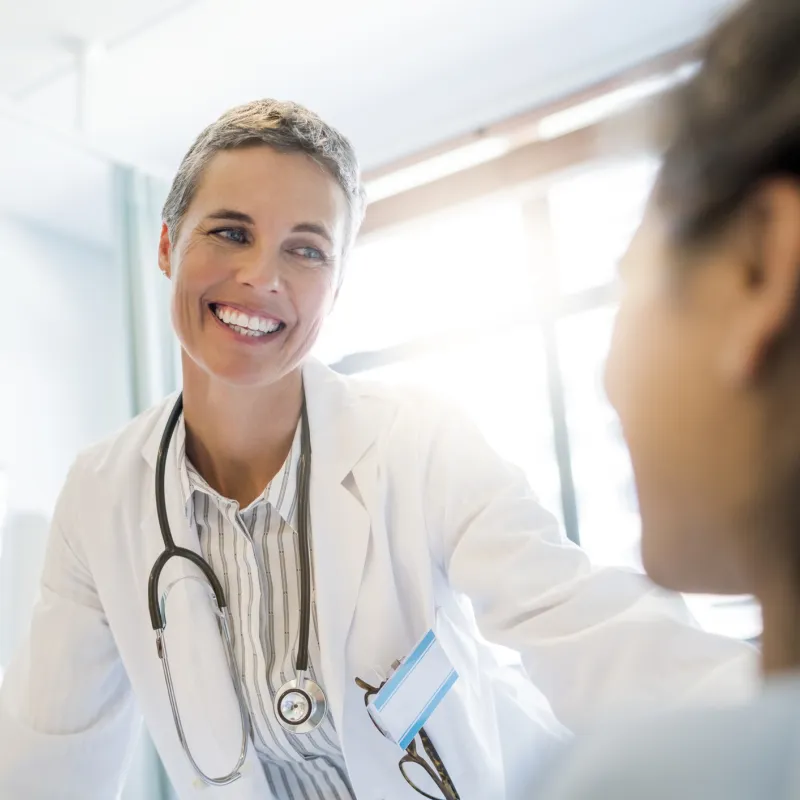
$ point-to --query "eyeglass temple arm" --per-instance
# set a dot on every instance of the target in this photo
(438, 764)
(370, 690)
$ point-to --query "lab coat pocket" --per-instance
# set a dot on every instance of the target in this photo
(463, 728)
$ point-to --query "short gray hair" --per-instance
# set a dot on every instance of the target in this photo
(284, 126)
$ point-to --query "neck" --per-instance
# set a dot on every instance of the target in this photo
(239, 437)
(780, 606)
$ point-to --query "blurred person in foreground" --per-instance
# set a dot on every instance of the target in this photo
(704, 372)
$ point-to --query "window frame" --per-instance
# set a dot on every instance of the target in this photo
(552, 306)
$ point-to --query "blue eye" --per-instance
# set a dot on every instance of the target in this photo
(311, 253)
(235, 235)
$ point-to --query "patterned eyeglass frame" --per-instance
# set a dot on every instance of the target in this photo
(438, 773)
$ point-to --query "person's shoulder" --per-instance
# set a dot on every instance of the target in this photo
(124, 447)
(416, 417)
(405, 400)
(738, 753)
(113, 466)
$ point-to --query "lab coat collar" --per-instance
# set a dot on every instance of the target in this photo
(344, 421)
(342, 424)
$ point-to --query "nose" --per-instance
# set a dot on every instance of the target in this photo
(262, 270)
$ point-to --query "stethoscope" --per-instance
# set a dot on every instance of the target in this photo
(300, 704)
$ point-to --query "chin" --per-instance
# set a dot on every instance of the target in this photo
(663, 574)
(690, 564)
(247, 375)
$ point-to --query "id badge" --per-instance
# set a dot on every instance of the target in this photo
(412, 693)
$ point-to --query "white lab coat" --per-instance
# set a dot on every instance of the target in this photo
(751, 752)
(416, 524)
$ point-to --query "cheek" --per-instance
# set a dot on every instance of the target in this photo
(643, 385)
(208, 267)
(630, 376)
(313, 298)
(660, 379)
(186, 304)
(648, 383)
(201, 269)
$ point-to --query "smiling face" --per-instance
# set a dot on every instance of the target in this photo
(255, 264)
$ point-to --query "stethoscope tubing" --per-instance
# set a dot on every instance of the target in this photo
(172, 551)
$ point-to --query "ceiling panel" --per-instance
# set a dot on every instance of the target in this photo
(38, 38)
(395, 77)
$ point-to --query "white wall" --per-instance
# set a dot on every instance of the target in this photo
(64, 362)
(64, 383)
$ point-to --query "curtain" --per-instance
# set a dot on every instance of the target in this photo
(154, 368)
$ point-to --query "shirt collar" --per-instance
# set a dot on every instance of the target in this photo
(280, 493)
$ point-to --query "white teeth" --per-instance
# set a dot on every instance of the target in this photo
(246, 331)
(224, 314)
(244, 324)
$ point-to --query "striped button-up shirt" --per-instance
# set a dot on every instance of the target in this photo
(254, 553)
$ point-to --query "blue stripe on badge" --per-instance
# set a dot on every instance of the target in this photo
(430, 706)
(399, 677)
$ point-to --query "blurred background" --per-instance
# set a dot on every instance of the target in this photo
(507, 148)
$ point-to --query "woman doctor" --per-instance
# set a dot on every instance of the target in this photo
(337, 522)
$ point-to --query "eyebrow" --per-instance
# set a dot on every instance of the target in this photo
(227, 213)
(303, 227)
(314, 227)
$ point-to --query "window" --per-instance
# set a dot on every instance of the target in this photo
(608, 518)
(438, 304)
(593, 214)
(449, 302)
(465, 271)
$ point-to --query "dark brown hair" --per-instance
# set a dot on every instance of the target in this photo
(736, 122)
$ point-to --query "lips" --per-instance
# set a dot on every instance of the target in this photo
(245, 322)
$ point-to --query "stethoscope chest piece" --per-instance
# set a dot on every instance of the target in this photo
(300, 705)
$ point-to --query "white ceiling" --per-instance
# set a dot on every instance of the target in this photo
(394, 76)
(36, 38)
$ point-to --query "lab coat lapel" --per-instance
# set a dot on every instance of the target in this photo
(344, 429)
(205, 693)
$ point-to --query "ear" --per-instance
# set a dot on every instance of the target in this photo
(771, 276)
(165, 252)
